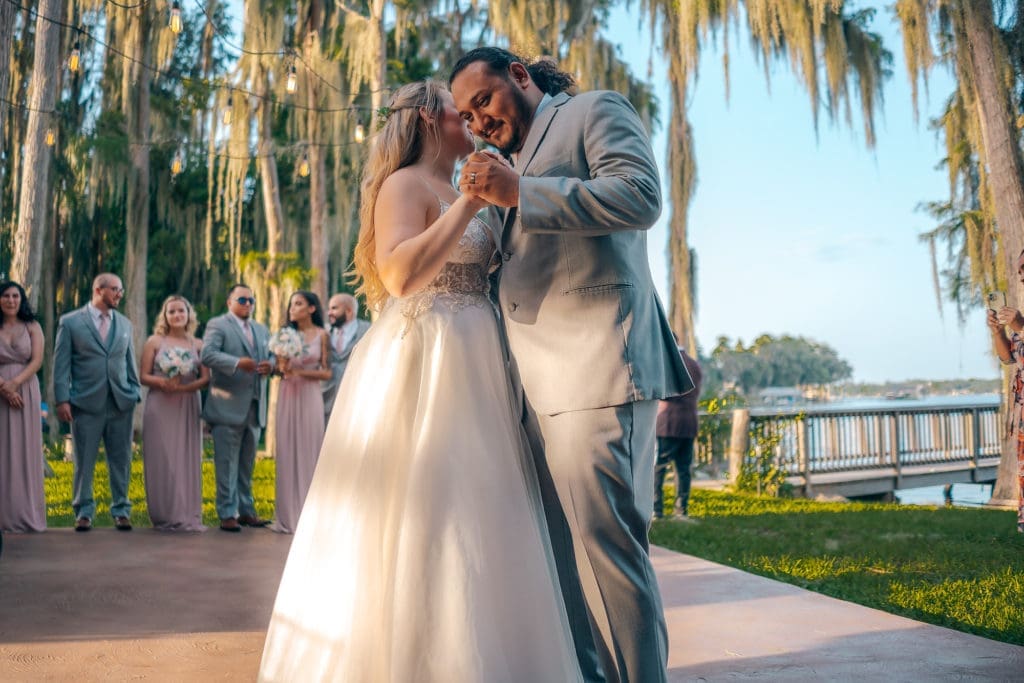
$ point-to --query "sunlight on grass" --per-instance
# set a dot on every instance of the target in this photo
(956, 567)
(58, 494)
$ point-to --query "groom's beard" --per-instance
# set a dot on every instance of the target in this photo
(520, 125)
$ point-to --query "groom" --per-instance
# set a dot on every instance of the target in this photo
(588, 336)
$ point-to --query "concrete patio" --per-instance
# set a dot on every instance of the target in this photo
(113, 606)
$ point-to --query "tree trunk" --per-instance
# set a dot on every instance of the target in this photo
(266, 163)
(319, 247)
(682, 172)
(1006, 178)
(35, 184)
(6, 34)
(137, 200)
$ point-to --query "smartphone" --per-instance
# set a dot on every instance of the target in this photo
(996, 300)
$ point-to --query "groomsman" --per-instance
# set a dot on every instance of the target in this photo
(235, 350)
(96, 387)
(346, 329)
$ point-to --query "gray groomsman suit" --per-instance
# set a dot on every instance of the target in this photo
(339, 361)
(98, 378)
(594, 351)
(236, 409)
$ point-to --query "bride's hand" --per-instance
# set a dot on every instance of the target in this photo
(490, 177)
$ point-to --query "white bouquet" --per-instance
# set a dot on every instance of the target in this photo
(286, 343)
(174, 361)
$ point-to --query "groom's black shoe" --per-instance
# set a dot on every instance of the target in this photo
(230, 524)
(123, 523)
(252, 520)
(83, 524)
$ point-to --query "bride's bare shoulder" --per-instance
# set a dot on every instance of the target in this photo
(406, 185)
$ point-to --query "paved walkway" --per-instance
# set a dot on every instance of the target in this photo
(113, 606)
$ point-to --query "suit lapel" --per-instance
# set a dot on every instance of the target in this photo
(538, 130)
(86, 318)
(233, 324)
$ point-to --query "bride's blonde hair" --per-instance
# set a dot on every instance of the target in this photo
(399, 143)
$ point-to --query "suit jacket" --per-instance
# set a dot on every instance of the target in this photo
(339, 361)
(232, 390)
(677, 416)
(86, 371)
(584, 324)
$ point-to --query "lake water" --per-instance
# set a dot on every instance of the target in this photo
(967, 495)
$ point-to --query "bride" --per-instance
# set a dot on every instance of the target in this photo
(421, 553)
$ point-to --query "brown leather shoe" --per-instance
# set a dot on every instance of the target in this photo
(83, 524)
(230, 524)
(250, 520)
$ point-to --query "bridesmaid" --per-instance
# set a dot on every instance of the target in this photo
(172, 434)
(300, 409)
(22, 503)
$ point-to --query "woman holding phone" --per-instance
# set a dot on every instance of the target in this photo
(1010, 349)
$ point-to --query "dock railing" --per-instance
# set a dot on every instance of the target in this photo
(824, 441)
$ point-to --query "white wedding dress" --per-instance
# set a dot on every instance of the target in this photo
(421, 554)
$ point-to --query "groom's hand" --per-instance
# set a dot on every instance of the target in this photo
(488, 176)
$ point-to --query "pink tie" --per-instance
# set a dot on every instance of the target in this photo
(339, 343)
(104, 326)
(248, 332)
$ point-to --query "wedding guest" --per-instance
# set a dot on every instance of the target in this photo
(235, 350)
(96, 387)
(22, 503)
(300, 408)
(346, 329)
(1010, 350)
(172, 432)
(676, 430)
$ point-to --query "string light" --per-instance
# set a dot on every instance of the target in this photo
(51, 137)
(226, 119)
(292, 84)
(177, 163)
(360, 133)
(304, 166)
(75, 59)
(175, 23)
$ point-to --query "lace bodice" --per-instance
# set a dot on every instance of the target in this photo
(463, 279)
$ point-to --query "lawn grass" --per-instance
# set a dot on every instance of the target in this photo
(957, 567)
(58, 494)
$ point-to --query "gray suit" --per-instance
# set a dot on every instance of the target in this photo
(593, 350)
(339, 361)
(98, 378)
(236, 409)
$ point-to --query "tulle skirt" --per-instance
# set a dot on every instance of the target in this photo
(421, 553)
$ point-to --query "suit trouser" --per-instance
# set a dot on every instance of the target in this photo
(597, 483)
(679, 452)
(114, 427)
(234, 456)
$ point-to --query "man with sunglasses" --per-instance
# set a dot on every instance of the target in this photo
(96, 387)
(235, 350)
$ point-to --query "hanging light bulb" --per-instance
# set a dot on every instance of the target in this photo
(226, 119)
(175, 23)
(51, 137)
(177, 163)
(75, 59)
(360, 133)
(304, 166)
(292, 84)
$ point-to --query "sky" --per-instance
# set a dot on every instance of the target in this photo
(815, 235)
